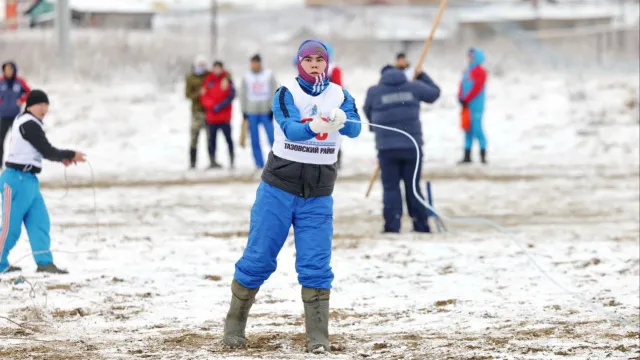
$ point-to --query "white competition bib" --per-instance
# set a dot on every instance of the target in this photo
(322, 149)
(20, 150)
(259, 86)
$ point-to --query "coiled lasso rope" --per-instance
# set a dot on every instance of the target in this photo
(500, 228)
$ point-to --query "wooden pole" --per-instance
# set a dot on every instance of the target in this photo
(423, 54)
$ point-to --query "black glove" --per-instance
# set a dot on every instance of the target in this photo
(462, 103)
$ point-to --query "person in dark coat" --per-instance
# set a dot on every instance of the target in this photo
(13, 93)
(395, 102)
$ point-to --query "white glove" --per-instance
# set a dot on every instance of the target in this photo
(321, 126)
(338, 116)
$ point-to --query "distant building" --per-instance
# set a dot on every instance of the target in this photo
(120, 14)
(370, 2)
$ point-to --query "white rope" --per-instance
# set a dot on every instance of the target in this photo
(476, 220)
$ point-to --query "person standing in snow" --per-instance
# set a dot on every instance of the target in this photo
(258, 86)
(395, 102)
(296, 189)
(21, 197)
(335, 76)
(217, 94)
(13, 93)
(193, 90)
(472, 98)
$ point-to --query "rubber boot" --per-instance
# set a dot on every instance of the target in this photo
(12, 268)
(316, 319)
(192, 158)
(236, 321)
(467, 157)
(51, 269)
(483, 155)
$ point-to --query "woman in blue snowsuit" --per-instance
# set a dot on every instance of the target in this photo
(296, 189)
(471, 95)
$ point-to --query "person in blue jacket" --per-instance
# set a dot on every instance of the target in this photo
(13, 93)
(395, 102)
(296, 188)
(472, 96)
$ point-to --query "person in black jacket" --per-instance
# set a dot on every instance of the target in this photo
(395, 102)
(21, 197)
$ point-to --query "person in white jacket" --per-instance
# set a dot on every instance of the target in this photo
(258, 86)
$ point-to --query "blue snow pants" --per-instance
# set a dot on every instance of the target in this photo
(476, 132)
(272, 215)
(23, 202)
(254, 121)
(399, 165)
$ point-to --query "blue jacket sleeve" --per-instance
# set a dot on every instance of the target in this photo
(350, 129)
(229, 98)
(288, 117)
(427, 90)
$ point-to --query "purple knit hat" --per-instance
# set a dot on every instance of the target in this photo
(308, 48)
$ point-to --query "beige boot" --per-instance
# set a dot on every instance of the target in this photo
(236, 321)
(316, 319)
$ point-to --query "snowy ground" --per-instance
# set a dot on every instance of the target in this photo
(150, 274)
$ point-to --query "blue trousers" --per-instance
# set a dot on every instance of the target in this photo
(254, 121)
(476, 132)
(23, 202)
(399, 165)
(272, 215)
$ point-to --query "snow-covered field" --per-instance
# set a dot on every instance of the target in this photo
(151, 255)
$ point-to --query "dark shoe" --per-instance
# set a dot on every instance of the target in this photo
(192, 158)
(232, 162)
(51, 269)
(467, 158)
(215, 165)
(236, 321)
(483, 155)
(12, 268)
(390, 231)
(316, 319)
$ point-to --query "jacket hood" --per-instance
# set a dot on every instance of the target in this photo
(13, 65)
(478, 57)
(392, 76)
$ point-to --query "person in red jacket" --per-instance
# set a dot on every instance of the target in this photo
(217, 96)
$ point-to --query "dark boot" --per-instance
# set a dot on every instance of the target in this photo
(51, 269)
(192, 158)
(483, 155)
(421, 225)
(213, 163)
(12, 268)
(236, 321)
(316, 319)
(232, 161)
(467, 157)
